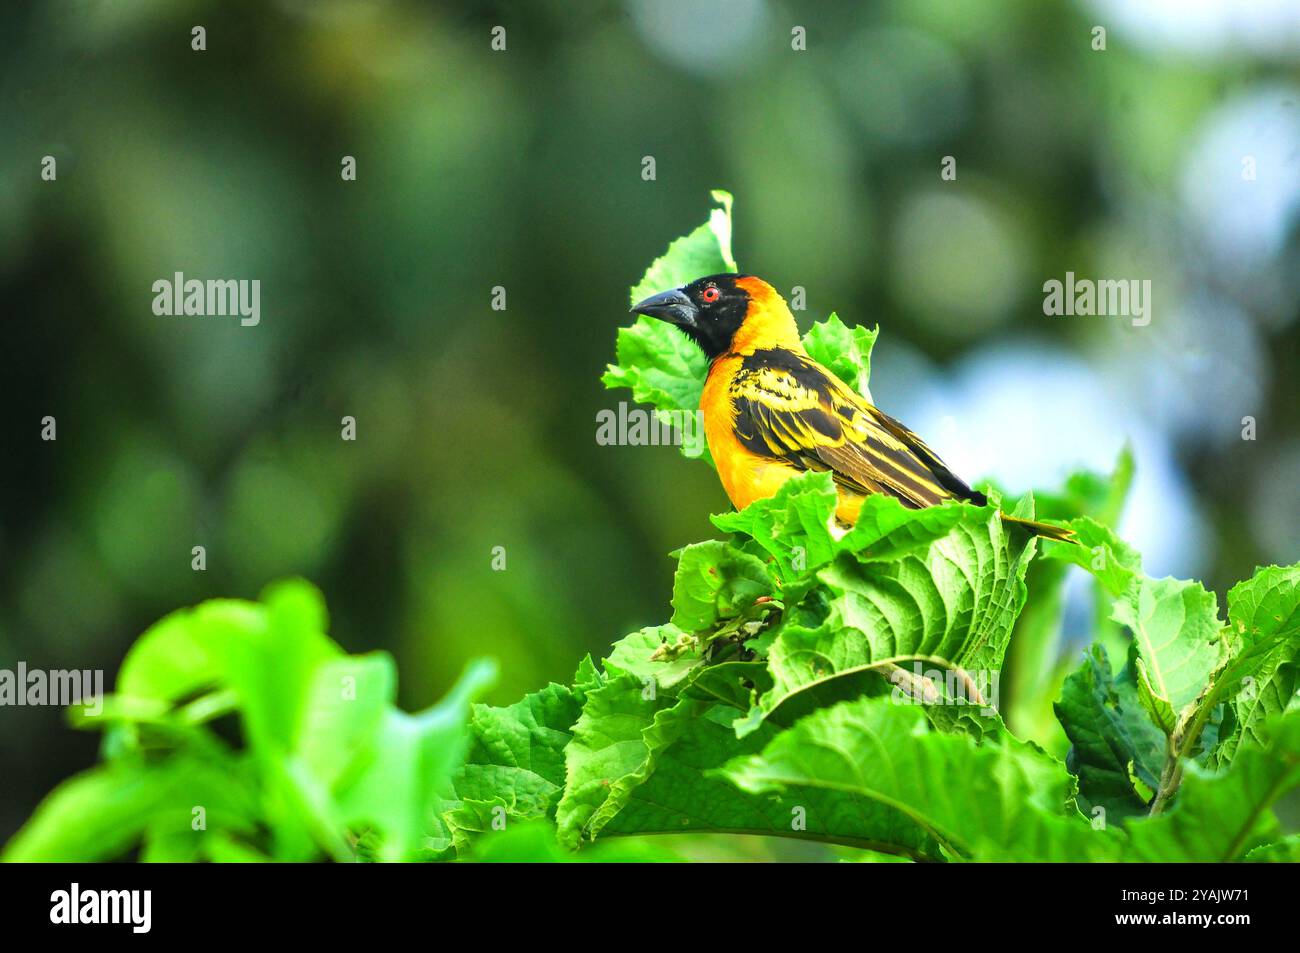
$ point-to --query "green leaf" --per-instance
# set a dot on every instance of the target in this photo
(1222, 817)
(1175, 626)
(518, 750)
(1285, 851)
(1114, 563)
(186, 650)
(845, 351)
(1033, 668)
(260, 657)
(220, 848)
(661, 653)
(514, 768)
(733, 683)
(886, 529)
(411, 766)
(587, 675)
(685, 793)
(271, 668)
(1264, 637)
(715, 581)
(100, 814)
(345, 707)
(794, 527)
(1006, 801)
(640, 763)
(952, 604)
(1034, 674)
(661, 365)
(612, 751)
(656, 361)
(1112, 739)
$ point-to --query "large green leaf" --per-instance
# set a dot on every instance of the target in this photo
(792, 526)
(519, 749)
(950, 605)
(1174, 623)
(271, 669)
(1004, 801)
(640, 762)
(685, 793)
(345, 707)
(186, 650)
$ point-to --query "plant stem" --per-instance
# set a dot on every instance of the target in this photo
(1180, 743)
(1170, 778)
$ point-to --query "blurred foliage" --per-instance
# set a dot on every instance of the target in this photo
(325, 752)
(479, 169)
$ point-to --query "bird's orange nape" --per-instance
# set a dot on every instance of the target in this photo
(768, 321)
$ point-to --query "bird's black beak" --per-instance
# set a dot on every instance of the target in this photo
(671, 306)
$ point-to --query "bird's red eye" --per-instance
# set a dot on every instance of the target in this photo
(710, 294)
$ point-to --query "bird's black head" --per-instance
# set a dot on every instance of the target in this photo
(710, 310)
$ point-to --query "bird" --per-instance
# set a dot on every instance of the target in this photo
(771, 412)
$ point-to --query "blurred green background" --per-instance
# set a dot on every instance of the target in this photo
(522, 169)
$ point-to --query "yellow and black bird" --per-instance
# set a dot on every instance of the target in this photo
(772, 412)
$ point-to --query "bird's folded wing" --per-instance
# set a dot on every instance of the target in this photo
(794, 409)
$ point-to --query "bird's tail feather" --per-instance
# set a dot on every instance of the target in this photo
(1046, 530)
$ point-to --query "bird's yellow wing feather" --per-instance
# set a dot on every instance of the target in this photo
(788, 406)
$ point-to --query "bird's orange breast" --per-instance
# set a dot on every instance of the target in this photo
(745, 475)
